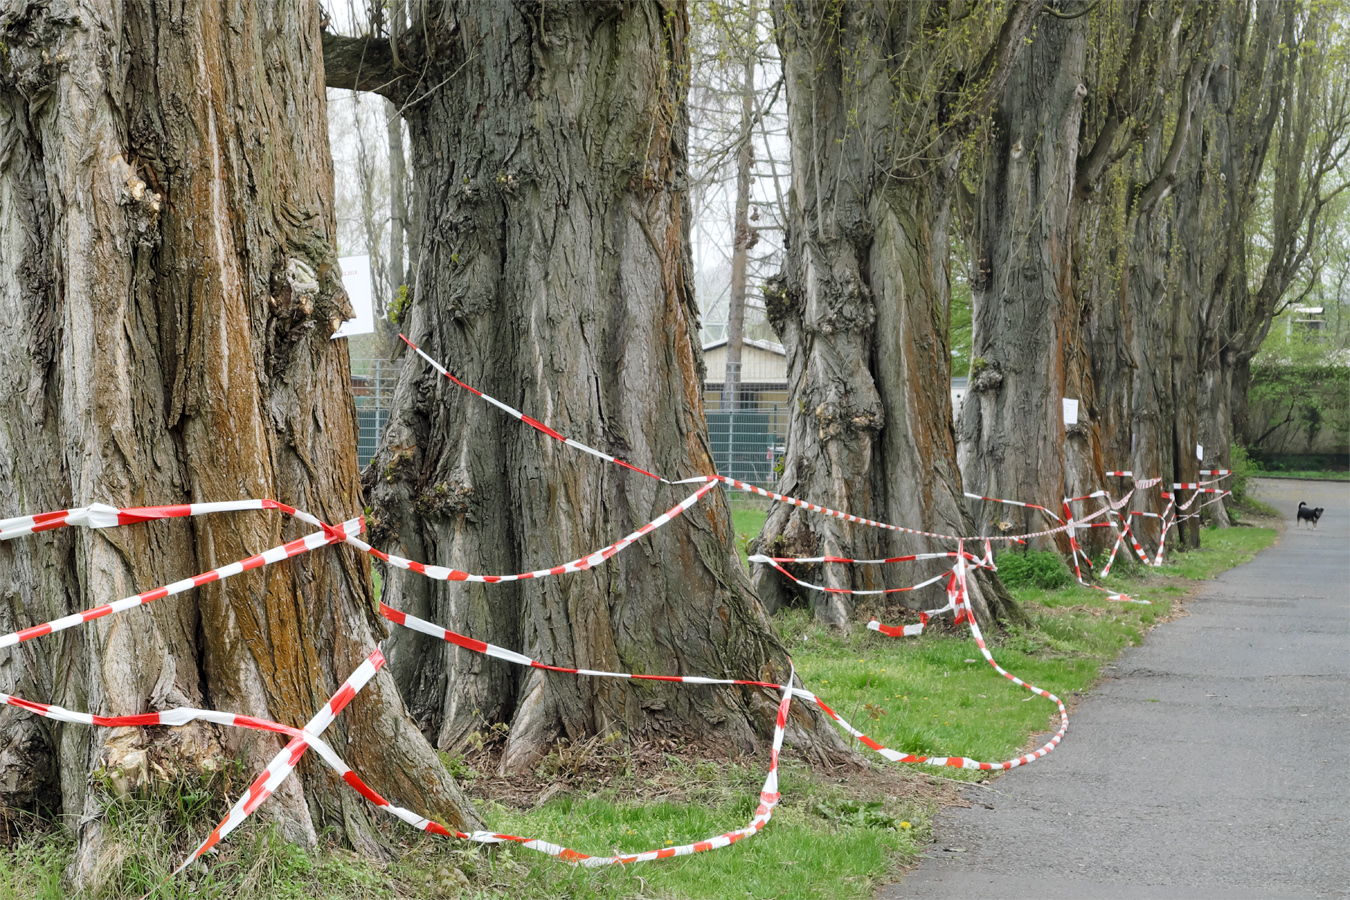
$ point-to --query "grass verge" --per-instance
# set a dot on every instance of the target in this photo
(838, 834)
(748, 513)
(1315, 474)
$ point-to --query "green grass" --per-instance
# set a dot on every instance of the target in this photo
(933, 694)
(747, 520)
(1331, 474)
(32, 868)
(801, 853)
(936, 695)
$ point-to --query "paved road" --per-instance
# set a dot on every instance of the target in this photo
(1213, 763)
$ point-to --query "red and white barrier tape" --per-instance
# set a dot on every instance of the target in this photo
(305, 544)
(1124, 525)
(99, 515)
(179, 715)
(916, 628)
(1112, 510)
(1014, 503)
(769, 796)
(533, 423)
(849, 517)
(830, 590)
(441, 573)
(961, 603)
(408, 620)
(914, 557)
(285, 761)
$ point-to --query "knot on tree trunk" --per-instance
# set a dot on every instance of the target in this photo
(780, 303)
(843, 303)
(796, 540)
(30, 57)
(985, 375)
(140, 202)
(446, 499)
(836, 418)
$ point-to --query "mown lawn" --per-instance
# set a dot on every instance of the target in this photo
(835, 834)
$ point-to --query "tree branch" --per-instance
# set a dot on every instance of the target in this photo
(361, 64)
(998, 63)
(1050, 10)
(1156, 189)
(1120, 106)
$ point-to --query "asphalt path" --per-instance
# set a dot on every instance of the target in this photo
(1212, 762)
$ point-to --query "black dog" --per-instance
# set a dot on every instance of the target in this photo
(1308, 514)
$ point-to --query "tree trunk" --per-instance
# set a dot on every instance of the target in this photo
(398, 171)
(398, 201)
(553, 274)
(1144, 283)
(862, 305)
(1028, 353)
(162, 210)
(745, 154)
(368, 175)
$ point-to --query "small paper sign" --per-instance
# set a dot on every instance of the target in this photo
(356, 281)
(1199, 453)
(1070, 411)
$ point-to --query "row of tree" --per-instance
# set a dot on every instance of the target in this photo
(169, 287)
(1139, 184)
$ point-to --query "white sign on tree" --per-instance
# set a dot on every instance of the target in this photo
(356, 281)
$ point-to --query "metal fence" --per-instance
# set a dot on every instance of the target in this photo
(747, 444)
(373, 382)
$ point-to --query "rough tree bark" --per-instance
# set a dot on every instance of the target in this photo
(167, 293)
(1140, 318)
(1028, 351)
(862, 304)
(554, 275)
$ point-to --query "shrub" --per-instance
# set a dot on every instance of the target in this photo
(1244, 468)
(1043, 569)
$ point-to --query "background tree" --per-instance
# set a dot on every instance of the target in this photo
(1027, 348)
(1285, 129)
(1188, 201)
(168, 296)
(371, 183)
(1093, 84)
(731, 39)
(1130, 236)
(550, 145)
(738, 166)
(880, 99)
